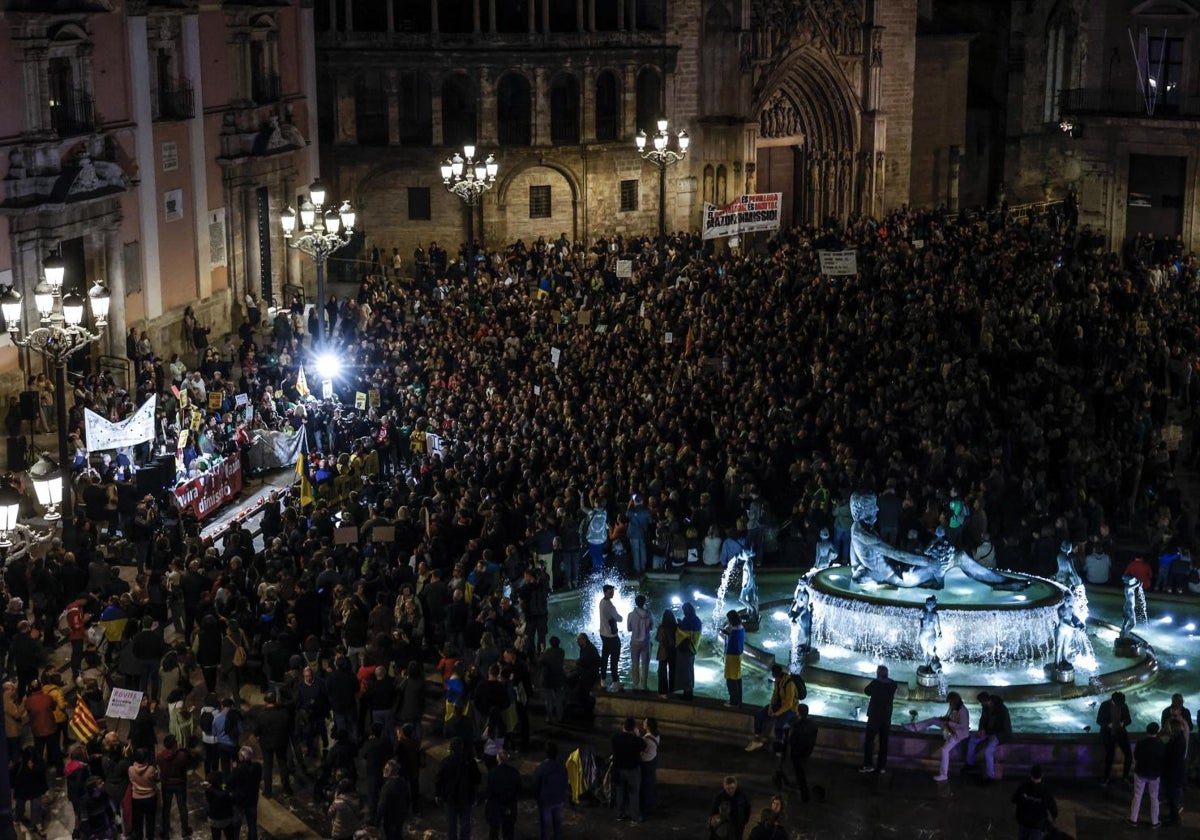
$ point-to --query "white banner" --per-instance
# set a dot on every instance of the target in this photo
(103, 435)
(749, 213)
(839, 263)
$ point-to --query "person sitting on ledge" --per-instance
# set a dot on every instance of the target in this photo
(781, 711)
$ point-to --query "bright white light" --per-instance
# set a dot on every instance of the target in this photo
(865, 667)
(328, 366)
(1167, 619)
(676, 601)
(1180, 663)
(697, 594)
(1085, 662)
(999, 682)
(769, 644)
(1020, 598)
(1190, 626)
(779, 615)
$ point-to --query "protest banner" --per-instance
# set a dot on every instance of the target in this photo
(123, 704)
(839, 263)
(747, 214)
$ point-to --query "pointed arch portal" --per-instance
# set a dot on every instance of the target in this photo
(807, 144)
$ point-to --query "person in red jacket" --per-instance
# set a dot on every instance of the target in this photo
(42, 724)
(1140, 569)
(77, 622)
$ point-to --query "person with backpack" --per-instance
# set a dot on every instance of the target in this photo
(595, 530)
(781, 711)
(208, 713)
(454, 787)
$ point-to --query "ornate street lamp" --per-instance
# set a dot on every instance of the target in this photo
(60, 336)
(322, 231)
(48, 486)
(662, 157)
(469, 179)
(10, 509)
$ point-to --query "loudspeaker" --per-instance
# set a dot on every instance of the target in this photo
(17, 455)
(149, 480)
(29, 405)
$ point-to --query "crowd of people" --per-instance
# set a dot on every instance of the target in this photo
(549, 419)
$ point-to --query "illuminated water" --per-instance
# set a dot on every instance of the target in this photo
(1170, 629)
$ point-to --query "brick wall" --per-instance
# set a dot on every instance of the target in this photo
(896, 99)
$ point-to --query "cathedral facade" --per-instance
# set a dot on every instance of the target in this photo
(814, 100)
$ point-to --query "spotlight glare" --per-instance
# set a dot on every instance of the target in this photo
(779, 615)
(676, 601)
(1181, 663)
(328, 366)
(696, 594)
(1167, 619)
(1190, 626)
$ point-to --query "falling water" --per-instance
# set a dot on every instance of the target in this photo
(794, 634)
(1139, 608)
(731, 568)
(943, 685)
(1081, 602)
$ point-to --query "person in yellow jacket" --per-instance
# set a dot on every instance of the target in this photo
(781, 711)
(52, 685)
(16, 719)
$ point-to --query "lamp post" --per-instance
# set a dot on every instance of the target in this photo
(469, 179)
(322, 231)
(59, 337)
(662, 157)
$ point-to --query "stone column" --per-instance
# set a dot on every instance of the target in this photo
(487, 115)
(198, 154)
(391, 16)
(114, 269)
(955, 166)
(629, 103)
(533, 16)
(546, 15)
(591, 15)
(541, 108)
(492, 16)
(435, 117)
(349, 15)
(148, 197)
(475, 20)
(433, 17)
(392, 89)
(36, 67)
(579, 12)
(587, 99)
(333, 4)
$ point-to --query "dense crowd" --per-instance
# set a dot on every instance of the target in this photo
(711, 401)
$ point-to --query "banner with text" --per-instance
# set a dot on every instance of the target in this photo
(839, 263)
(203, 495)
(749, 213)
(137, 428)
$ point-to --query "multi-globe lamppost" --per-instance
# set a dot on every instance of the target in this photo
(662, 157)
(322, 231)
(469, 179)
(59, 337)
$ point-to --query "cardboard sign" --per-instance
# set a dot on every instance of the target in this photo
(373, 397)
(215, 400)
(585, 317)
(555, 356)
(345, 536)
(624, 268)
(383, 533)
(360, 400)
(240, 400)
(327, 389)
(123, 704)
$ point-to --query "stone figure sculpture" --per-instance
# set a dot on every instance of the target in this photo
(1133, 588)
(1066, 574)
(928, 636)
(1064, 632)
(801, 614)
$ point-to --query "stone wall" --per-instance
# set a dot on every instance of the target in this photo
(899, 19)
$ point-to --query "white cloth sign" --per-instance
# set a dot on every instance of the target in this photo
(137, 428)
(839, 263)
(624, 268)
(434, 444)
(555, 356)
(123, 704)
(746, 214)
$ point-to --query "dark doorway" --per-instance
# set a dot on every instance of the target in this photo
(781, 169)
(1156, 193)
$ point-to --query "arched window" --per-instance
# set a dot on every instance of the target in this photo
(562, 17)
(459, 115)
(608, 107)
(717, 19)
(72, 111)
(416, 109)
(651, 15)
(371, 109)
(649, 99)
(722, 191)
(710, 190)
(1060, 43)
(564, 110)
(411, 16)
(369, 15)
(512, 15)
(606, 15)
(456, 16)
(514, 110)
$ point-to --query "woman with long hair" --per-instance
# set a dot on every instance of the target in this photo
(955, 726)
(665, 653)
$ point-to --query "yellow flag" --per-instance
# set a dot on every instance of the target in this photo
(306, 494)
(302, 383)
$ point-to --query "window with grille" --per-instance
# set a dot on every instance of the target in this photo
(539, 202)
(629, 196)
(418, 204)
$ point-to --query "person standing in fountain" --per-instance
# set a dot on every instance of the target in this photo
(928, 636)
(665, 654)
(687, 642)
(640, 623)
(610, 642)
(1113, 719)
(735, 643)
(882, 691)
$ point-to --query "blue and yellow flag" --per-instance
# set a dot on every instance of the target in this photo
(306, 492)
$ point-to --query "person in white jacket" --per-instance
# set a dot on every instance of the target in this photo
(955, 726)
(640, 625)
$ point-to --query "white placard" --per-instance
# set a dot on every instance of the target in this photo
(240, 399)
(839, 263)
(537, 390)
(327, 389)
(170, 157)
(555, 356)
(624, 268)
(433, 443)
(123, 704)
(669, 337)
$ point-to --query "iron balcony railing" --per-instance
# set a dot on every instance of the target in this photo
(265, 89)
(73, 114)
(176, 102)
(514, 132)
(607, 128)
